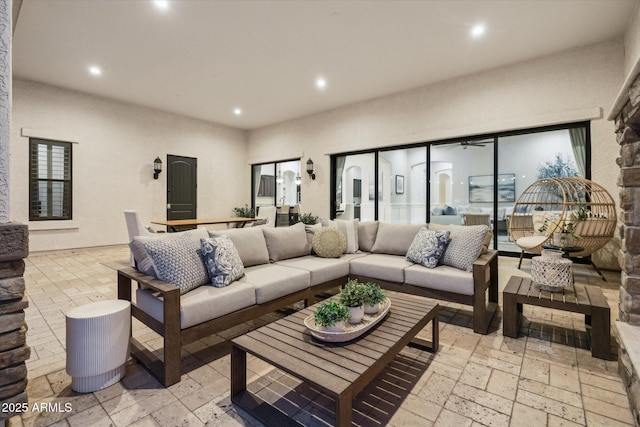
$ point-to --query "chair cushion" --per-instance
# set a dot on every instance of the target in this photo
(144, 263)
(380, 266)
(427, 247)
(272, 281)
(395, 239)
(444, 278)
(222, 260)
(329, 242)
(178, 261)
(321, 269)
(530, 242)
(286, 242)
(249, 243)
(465, 246)
(200, 304)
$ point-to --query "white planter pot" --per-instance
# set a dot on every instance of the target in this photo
(338, 327)
(356, 313)
(371, 309)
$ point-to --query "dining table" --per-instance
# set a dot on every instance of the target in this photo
(176, 224)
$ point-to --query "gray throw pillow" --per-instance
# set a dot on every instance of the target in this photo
(465, 246)
(222, 261)
(178, 261)
(427, 247)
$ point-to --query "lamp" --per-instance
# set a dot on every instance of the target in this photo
(157, 167)
(310, 169)
(298, 180)
(279, 178)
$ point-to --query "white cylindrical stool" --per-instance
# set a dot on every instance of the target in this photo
(97, 344)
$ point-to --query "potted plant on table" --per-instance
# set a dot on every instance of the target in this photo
(308, 219)
(352, 295)
(330, 316)
(244, 211)
(373, 296)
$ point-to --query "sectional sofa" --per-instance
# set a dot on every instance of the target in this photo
(280, 268)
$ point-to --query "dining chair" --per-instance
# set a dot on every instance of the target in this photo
(135, 227)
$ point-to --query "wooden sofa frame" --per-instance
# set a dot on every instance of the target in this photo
(485, 281)
(169, 372)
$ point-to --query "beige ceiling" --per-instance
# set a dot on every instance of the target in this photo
(202, 58)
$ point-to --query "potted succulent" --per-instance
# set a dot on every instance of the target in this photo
(352, 295)
(330, 316)
(373, 296)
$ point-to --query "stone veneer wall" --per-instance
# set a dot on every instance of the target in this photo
(14, 352)
(627, 125)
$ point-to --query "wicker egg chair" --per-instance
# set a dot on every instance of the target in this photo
(550, 202)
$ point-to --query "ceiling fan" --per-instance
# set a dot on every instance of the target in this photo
(466, 144)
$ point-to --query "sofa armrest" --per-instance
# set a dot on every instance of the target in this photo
(485, 281)
(149, 282)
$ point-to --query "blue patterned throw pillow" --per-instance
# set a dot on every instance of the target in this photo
(177, 260)
(427, 247)
(222, 260)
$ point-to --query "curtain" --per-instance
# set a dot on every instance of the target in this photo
(579, 145)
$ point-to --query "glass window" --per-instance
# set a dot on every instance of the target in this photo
(403, 185)
(50, 180)
(355, 187)
(278, 184)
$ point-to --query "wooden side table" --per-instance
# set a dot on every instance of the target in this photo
(578, 298)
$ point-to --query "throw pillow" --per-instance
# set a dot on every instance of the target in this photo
(311, 230)
(329, 242)
(222, 261)
(348, 227)
(465, 246)
(427, 247)
(249, 242)
(178, 261)
(450, 210)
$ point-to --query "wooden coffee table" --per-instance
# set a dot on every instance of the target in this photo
(577, 298)
(340, 370)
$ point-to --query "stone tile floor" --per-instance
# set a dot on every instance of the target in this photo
(546, 377)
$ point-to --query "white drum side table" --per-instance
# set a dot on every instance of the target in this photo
(97, 344)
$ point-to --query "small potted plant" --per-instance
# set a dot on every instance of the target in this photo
(308, 219)
(244, 211)
(330, 316)
(373, 296)
(352, 295)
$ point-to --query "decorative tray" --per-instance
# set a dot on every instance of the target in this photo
(350, 331)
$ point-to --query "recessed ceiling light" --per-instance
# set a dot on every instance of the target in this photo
(477, 30)
(321, 83)
(161, 4)
(237, 111)
(95, 71)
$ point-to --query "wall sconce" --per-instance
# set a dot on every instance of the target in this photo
(310, 169)
(157, 167)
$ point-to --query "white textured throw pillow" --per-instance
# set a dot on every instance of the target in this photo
(178, 261)
(465, 246)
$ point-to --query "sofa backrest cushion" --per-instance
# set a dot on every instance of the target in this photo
(465, 246)
(367, 231)
(178, 261)
(249, 243)
(395, 239)
(144, 264)
(286, 242)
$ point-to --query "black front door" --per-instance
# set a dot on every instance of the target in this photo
(181, 188)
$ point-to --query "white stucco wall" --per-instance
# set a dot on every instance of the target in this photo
(113, 162)
(575, 85)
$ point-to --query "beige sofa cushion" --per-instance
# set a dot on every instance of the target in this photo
(395, 239)
(272, 281)
(201, 304)
(442, 278)
(380, 266)
(286, 242)
(249, 242)
(367, 231)
(321, 269)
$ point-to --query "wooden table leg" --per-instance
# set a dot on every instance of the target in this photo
(511, 316)
(344, 409)
(238, 371)
(601, 332)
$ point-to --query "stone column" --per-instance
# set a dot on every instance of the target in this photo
(14, 352)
